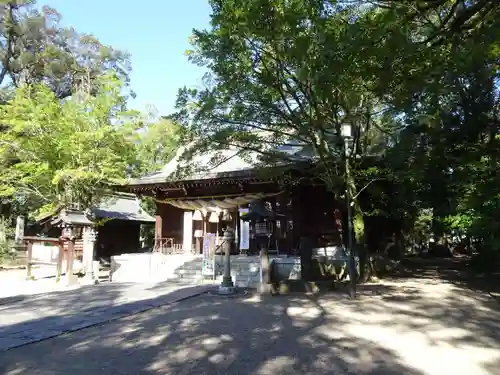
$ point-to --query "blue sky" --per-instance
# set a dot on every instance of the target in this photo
(155, 32)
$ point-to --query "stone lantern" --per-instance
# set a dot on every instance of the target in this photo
(227, 285)
(263, 221)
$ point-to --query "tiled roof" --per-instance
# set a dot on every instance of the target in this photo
(118, 206)
(122, 206)
(218, 164)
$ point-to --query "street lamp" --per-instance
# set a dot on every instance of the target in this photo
(346, 134)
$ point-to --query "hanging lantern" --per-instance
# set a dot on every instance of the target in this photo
(214, 217)
(226, 216)
(197, 216)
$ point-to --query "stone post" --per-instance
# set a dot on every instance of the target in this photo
(19, 229)
(227, 285)
(265, 272)
(89, 239)
(60, 258)
(29, 260)
(70, 278)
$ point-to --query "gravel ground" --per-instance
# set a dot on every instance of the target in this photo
(412, 327)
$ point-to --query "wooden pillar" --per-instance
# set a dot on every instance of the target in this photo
(238, 229)
(60, 257)
(29, 260)
(297, 216)
(158, 226)
(273, 243)
(284, 232)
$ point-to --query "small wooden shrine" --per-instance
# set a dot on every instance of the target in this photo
(117, 221)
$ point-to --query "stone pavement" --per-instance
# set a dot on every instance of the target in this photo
(419, 327)
(27, 319)
(15, 279)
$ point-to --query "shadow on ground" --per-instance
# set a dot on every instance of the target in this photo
(407, 326)
(455, 270)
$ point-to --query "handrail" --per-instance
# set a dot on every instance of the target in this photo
(218, 246)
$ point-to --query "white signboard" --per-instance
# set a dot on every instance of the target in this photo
(208, 261)
(208, 267)
(244, 231)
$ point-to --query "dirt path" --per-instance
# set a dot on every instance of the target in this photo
(411, 326)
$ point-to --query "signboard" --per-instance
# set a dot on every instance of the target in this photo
(208, 245)
(244, 231)
(208, 261)
(208, 267)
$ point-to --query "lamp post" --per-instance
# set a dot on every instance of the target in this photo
(263, 220)
(346, 134)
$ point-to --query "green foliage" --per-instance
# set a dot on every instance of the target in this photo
(55, 152)
(155, 145)
(417, 81)
(281, 72)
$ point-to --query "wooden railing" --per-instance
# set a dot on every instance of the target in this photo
(167, 245)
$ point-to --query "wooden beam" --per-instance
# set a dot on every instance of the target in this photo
(40, 239)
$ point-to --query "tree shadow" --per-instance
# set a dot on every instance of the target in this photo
(405, 328)
(406, 325)
(211, 335)
(456, 270)
(32, 318)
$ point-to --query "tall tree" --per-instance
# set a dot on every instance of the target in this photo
(156, 144)
(282, 71)
(445, 19)
(55, 152)
(35, 48)
(294, 71)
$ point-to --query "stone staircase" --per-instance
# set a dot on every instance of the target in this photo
(187, 268)
(245, 271)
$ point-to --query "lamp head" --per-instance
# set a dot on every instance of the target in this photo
(346, 131)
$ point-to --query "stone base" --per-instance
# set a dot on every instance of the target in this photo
(225, 290)
(88, 281)
(70, 280)
(265, 289)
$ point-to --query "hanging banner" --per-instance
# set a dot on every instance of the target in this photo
(244, 231)
(208, 261)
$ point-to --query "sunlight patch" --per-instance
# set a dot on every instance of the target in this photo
(303, 312)
(253, 299)
(224, 359)
(410, 347)
(154, 340)
(277, 365)
(82, 346)
(186, 354)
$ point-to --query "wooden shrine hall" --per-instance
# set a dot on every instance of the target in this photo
(212, 198)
